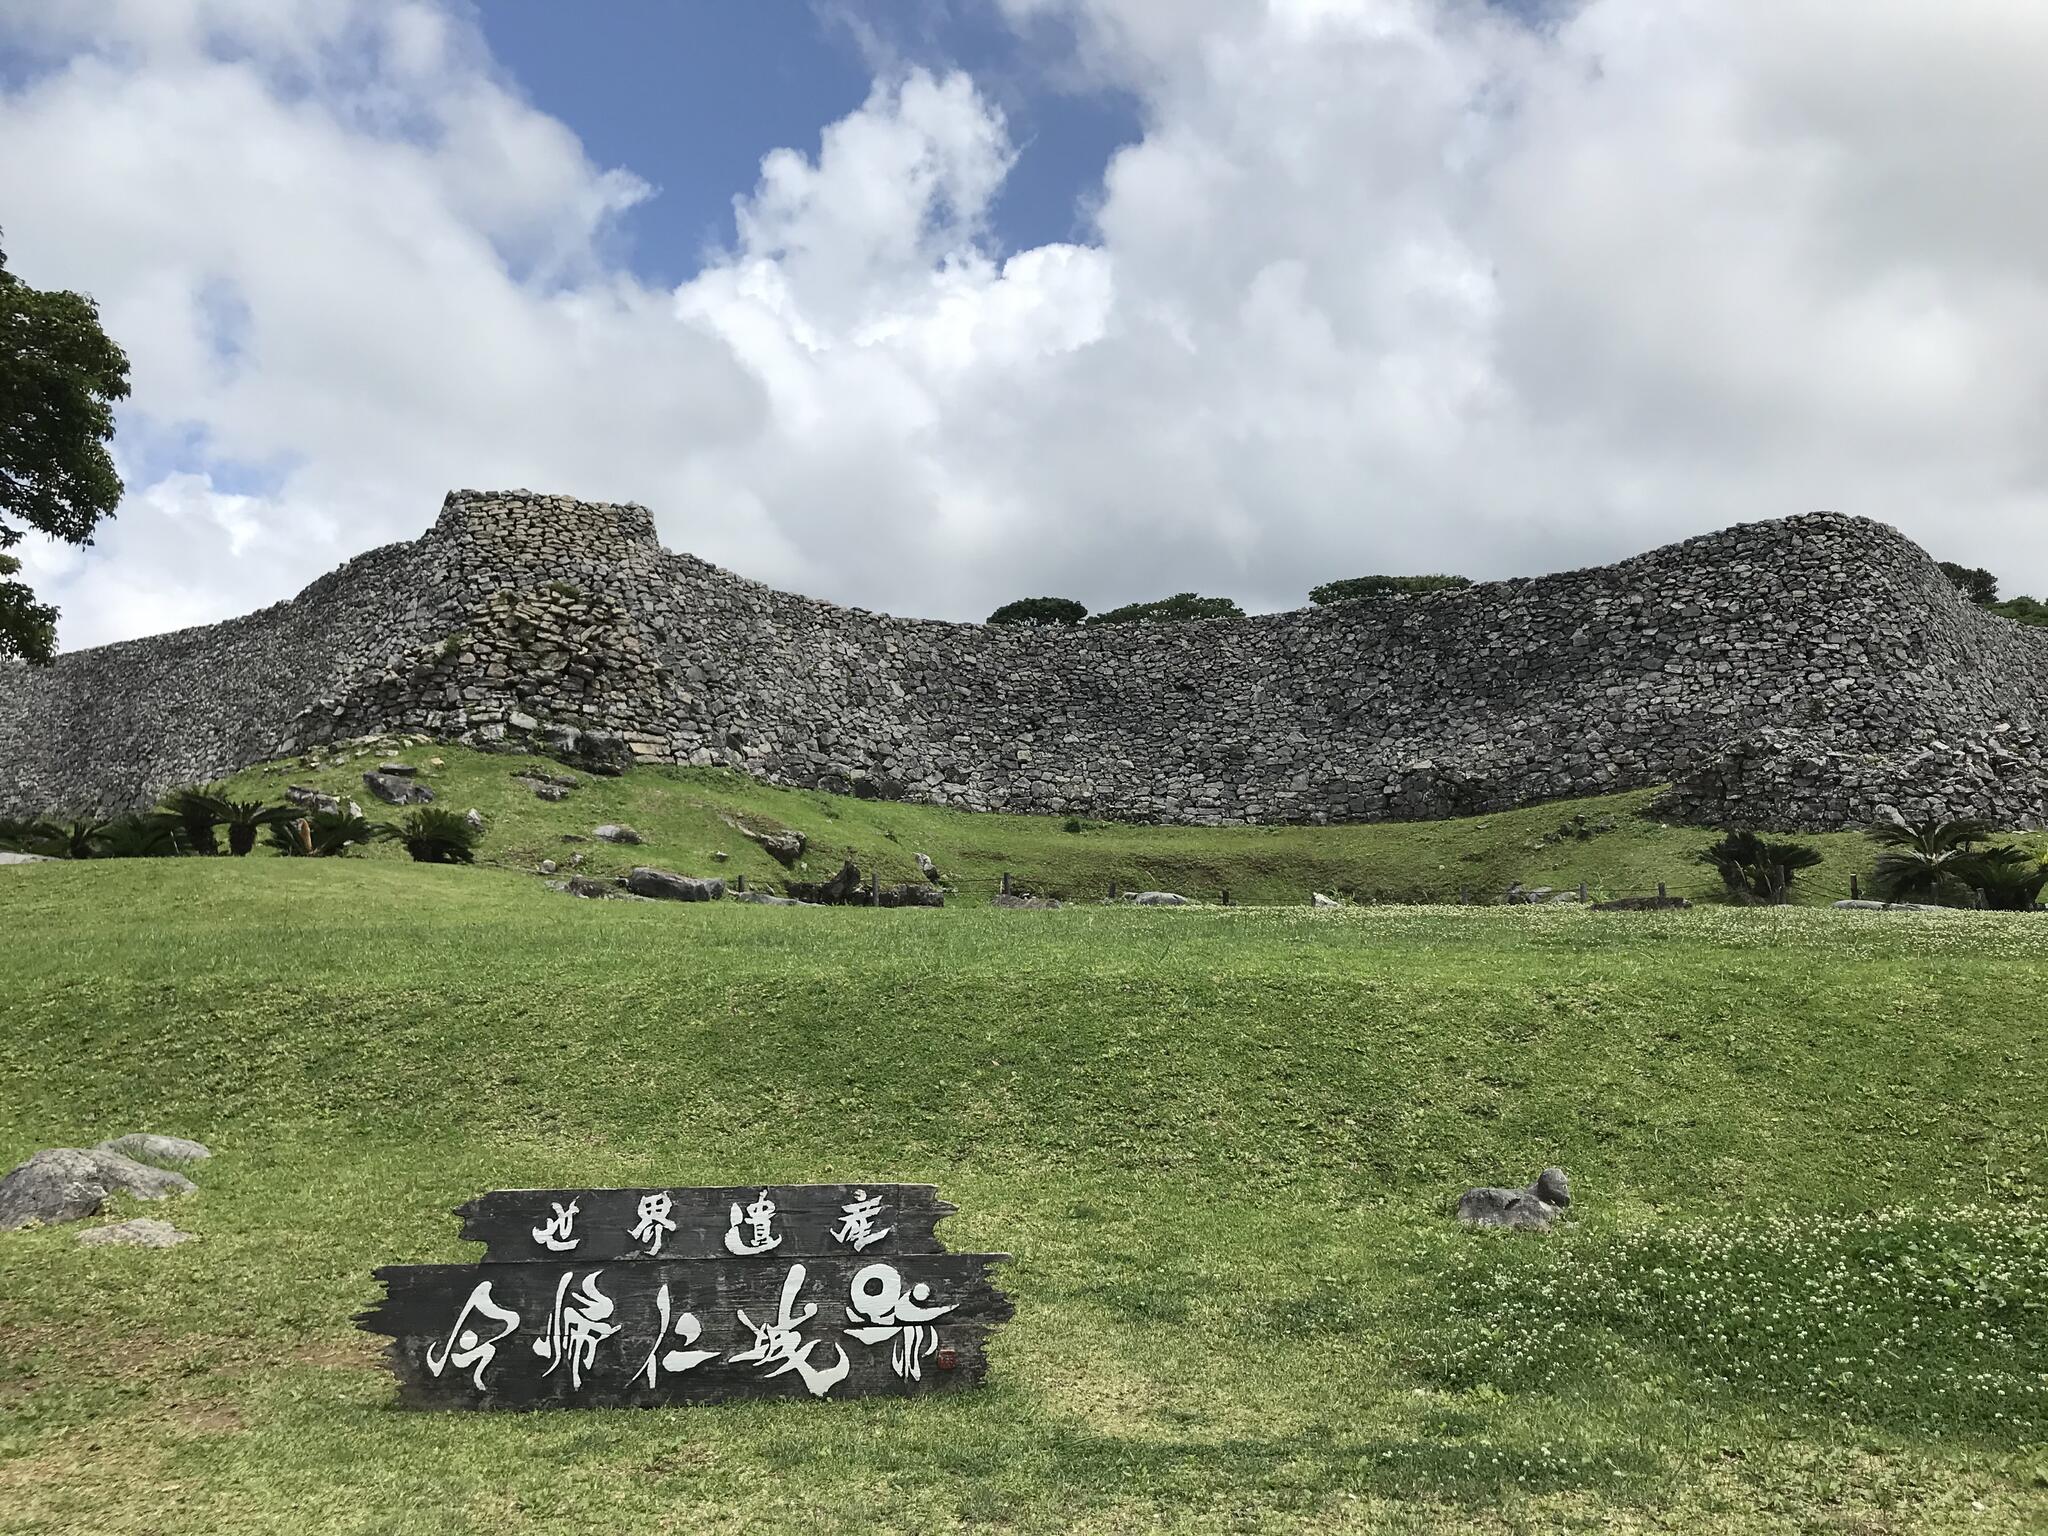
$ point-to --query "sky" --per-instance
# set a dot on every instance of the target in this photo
(926, 305)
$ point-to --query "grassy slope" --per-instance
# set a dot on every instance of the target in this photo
(1220, 1144)
(678, 811)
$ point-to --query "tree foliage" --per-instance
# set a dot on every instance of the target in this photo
(1178, 609)
(1755, 870)
(1975, 583)
(1040, 610)
(59, 379)
(1354, 587)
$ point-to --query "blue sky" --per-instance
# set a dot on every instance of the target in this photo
(690, 96)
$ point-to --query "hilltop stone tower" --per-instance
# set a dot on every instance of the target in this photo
(1796, 673)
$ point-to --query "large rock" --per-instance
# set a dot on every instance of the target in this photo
(1160, 899)
(928, 869)
(764, 899)
(783, 844)
(393, 790)
(612, 832)
(912, 896)
(70, 1184)
(665, 885)
(836, 892)
(147, 1147)
(7, 856)
(141, 1232)
(1522, 1210)
(310, 799)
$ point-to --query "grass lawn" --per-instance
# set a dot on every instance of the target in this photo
(686, 813)
(1805, 1287)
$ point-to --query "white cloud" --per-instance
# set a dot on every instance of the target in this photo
(1388, 284)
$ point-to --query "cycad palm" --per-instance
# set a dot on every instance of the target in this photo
(1929, 861)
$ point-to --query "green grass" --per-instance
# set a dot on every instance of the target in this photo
(679, 811)
(1222, 1145)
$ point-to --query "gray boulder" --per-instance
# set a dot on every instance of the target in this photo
(147, 1147)
(764, 899)
(1015, 903)
(69, 1184)
(393, 790)
(666, 885)
(310, 799)
(1892, 906)
(1159, 899)
(8, 857)
(1521, 1210)
(397, 770)
(475, 819)
(612, 832)
(141, 1232)
(1318, 899)
(927, 868)
(912, 896)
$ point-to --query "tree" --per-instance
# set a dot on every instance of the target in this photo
(1354, 587)
(1930, 861)
(59, 379)
(1040, 610)
(1177, 609)
(2008, 879)
(1976, 583)
(1754, 870)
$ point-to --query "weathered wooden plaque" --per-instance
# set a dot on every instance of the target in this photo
(638, 1297)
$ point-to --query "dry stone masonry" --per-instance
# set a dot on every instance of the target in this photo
(1796, 673)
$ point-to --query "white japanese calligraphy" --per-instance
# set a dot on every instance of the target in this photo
(464, 1346)
(886, 1314)
(575, 1331)
(676, 1361)
(857, 1223)
(654, 1223)
(781, 1343)
(760, 1218)
(554, 1232)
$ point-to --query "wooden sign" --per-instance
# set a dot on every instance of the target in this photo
(640, 1297)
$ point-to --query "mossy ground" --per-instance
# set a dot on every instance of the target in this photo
(1221, 1144)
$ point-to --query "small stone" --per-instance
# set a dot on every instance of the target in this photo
(475, 819)
(927, 868)
(612, 832)
(1521, 1210)
(1317, 898)
(147, 1147)
(140, 1232)
(398, 770)
(548, 866)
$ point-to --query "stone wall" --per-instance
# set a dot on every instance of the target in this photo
(1794, 673)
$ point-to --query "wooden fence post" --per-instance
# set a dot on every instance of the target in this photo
(1660, 890)
(875, 888)
(1855, 894)
(1226, 895)
(1006, 882)
(1112, 890)
(740, 884)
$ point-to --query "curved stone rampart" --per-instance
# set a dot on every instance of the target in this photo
(1793, 673)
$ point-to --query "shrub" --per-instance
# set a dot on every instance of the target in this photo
(2030, 611)
(1755, 870)
(139, 835)
(1040, 610)
(324, 834)
(244, 818)
(1178, 609)
(1926, 861)
(2007, 879)
(77, 838)
(435, 835)
(16, 831)
(1354, 587)
(195, 810)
